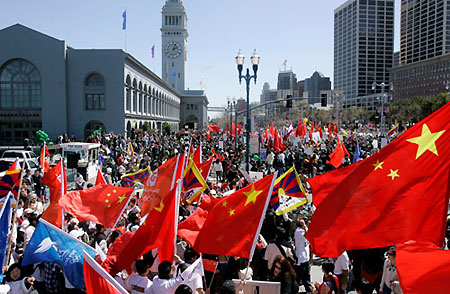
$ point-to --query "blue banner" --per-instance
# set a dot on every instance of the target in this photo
(124, 23)
(50, 244)
(5, 221)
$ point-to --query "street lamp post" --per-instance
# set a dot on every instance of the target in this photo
(383, 86)
(240, 63)
(447, 86)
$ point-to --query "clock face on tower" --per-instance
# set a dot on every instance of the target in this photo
(173, 49)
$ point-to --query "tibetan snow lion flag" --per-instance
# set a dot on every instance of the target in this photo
(141, 176)
(288, 192)
(193, 183)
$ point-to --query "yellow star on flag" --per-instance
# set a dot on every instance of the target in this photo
(224, 204)
(393, 174)
(251, 195)
(231, 212)
(378, 165)
(121, 198)
(426, 141)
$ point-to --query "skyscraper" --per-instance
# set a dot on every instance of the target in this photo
(425, 30)
(363, 47)
(316, 83)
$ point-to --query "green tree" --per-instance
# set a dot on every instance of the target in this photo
(166, 128)
(146, 126)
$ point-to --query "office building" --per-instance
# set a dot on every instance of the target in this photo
(314, 85)
(363, 47)
(424, 30)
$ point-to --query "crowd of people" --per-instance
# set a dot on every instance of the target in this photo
(282, 253)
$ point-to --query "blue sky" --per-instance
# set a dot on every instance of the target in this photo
(299, 31)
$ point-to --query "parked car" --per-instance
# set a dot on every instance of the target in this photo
(19, 154)
(5, 163)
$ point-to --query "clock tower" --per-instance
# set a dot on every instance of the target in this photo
(174, 39)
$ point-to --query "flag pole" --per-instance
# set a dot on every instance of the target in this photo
(258, 230)
(8, 248)
(177, 212)
(63, 184)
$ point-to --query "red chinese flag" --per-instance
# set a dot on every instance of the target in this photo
(213, 128)
(423, 269)
(398, 194)
(190, 227)
(43, 162)
(232, 225)
(204, 168)
(159, 182)
(100, 180)
(272, 131)
(55, 179)
(158, 231)
(101, 204)
(299, 128)
(97, 280)
(337, 155)
(198, 155)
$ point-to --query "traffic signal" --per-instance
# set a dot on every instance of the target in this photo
(289, 101)
(323, 100)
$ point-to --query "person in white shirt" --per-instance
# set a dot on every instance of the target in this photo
(219, 171)
(29, 230)
(302, 267)
(341, 270)
(163, 283)
(273, 249)
(139, 283)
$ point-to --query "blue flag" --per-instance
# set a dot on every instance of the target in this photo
(124, 23)
(5, 221)
(50, 244)
(357, 156)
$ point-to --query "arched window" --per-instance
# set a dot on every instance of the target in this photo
(94, 92)
(20, 85)
(128, 89)
(134, 95)
(145, 99)
(141, 102)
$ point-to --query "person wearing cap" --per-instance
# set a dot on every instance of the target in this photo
(389, 281)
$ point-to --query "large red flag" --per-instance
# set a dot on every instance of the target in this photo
(97, 280)
(161, 180)
(158, 231)
(100, 180)
(213, 128)
(423, 269)
(394, 196)
(232, 225)
(55, 179)
(102, 204)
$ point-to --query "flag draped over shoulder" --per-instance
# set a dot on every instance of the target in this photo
(50, 244)
(97, 280)
(232, 225)
(55, 179)
(288, 193)
(193, 183)
(141, 176)
(406, 184)
(423, 269)
(101, 204)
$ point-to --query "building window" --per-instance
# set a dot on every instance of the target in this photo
(94, 92)
(20, 85)
(95, 102)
